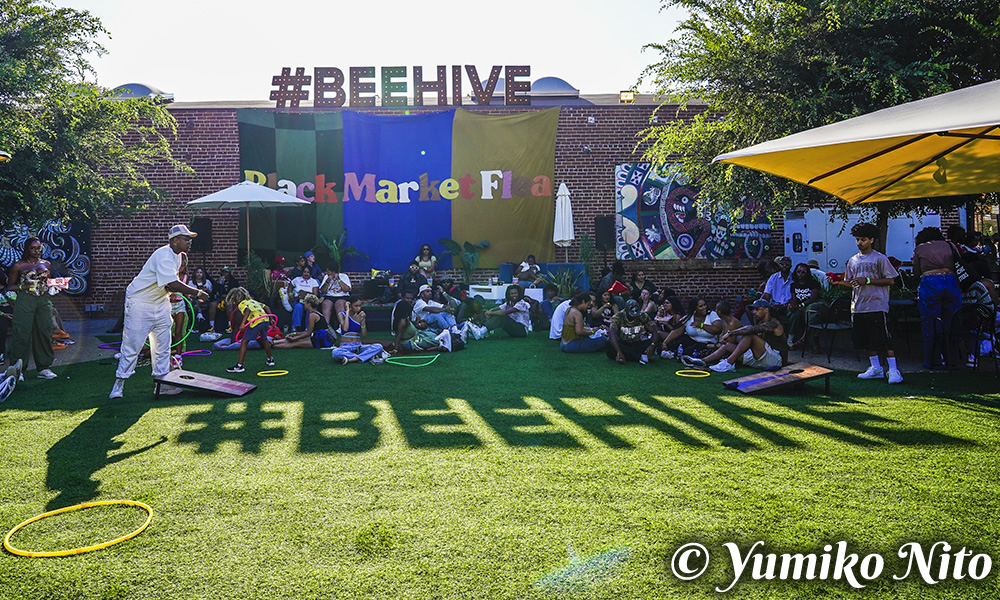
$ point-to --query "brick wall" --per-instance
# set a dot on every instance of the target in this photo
(207, 139)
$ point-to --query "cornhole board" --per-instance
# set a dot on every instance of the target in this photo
(191, 380)
(771, 380)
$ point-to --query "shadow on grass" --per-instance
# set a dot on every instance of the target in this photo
(575, 403)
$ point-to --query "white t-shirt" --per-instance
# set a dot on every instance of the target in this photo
(160, 269)
(528, 272)
(336, 290)
(558, 316)
(420, 308)
(303, 285)
(700, 335)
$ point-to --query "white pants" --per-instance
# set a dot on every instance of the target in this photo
(145, 320)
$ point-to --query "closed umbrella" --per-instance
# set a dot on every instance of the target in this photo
(247, 194)
(944, 145)
(562, 233)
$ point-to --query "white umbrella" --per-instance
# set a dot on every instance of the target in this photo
(944, 145)
(562, 232)
(247, 194)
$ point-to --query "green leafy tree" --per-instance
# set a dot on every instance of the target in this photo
(768, 68)
(76, 151)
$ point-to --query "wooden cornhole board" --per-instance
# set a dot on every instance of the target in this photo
(199, 381)
(785, 376)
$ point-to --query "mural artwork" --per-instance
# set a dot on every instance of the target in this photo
(66, 246)
(657, 218)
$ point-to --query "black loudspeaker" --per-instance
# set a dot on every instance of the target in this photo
(203, 227)
(374, 288)
(604, 233)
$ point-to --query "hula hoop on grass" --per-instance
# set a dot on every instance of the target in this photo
(394, 360)
(275, 373)
(694, 373)
(72, 551)
(110, 346)
(201, 352)
(189, 331)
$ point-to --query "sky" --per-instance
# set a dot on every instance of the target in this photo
(204, 50)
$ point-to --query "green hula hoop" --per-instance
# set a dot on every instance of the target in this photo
(189, 331)
(395, 360)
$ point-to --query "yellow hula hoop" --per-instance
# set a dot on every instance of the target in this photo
(275, 373)
(693, 373)
(7, 545)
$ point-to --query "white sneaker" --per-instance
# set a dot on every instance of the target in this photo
(643, 359)
(46, 374)
(169, 390)
(723, 366)
(479, 331)
(666, 355)
(461, 331)
(872, 373)
(445, 338)
(895, 376)
(118, 390)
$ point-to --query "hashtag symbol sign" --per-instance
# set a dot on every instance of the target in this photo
(290, 87)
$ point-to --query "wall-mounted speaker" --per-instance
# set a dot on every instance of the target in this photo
(203, 227)
(604, 233)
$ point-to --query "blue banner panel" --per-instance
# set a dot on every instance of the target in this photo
(393, 169)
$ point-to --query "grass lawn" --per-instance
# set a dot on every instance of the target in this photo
(480, 475)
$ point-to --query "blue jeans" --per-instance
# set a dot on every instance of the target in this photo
(439, 321)
(582, 345)
(938, 297)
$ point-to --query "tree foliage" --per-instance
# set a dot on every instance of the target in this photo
(768, 68)
(77, 152)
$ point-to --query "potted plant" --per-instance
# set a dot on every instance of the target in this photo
(466, 257)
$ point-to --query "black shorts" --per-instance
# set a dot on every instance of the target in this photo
(871, 331)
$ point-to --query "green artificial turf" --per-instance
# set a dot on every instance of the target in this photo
(481, 475)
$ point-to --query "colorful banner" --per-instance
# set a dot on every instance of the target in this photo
(397, 182)
(658, 218)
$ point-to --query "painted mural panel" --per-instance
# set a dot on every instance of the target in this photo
(657, 217)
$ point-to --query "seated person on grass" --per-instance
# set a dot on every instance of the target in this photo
(647, 304)
(632, 335)
(761, 346)
(600, 312)
(354, 329)
(725, 312)
(334, 289)
(576, 336)
(317, 333)
(558, 318)
(697, 332)
(255, 326)
(438, 316)
(551, 300)
(513, 315)
(669, 317)
(414, 337)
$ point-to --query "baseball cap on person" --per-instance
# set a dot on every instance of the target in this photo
(177, 230)
(783, 260)
(813, 263)
(279, 259)
(423, 288)
(761, 304)
(632, 307)
(227, 269)
(308, 254)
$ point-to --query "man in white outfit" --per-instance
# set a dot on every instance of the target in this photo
(147, 309)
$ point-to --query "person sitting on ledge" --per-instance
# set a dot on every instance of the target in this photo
(412, 280)
(761, 346)
(526, 274)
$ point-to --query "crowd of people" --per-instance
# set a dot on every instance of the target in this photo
(630, 319)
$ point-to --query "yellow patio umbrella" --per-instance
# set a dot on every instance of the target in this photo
(944, 145)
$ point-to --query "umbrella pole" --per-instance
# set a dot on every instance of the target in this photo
(248, 233)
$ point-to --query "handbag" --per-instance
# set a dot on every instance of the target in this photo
(962, 270)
